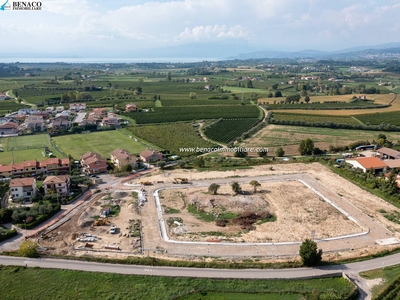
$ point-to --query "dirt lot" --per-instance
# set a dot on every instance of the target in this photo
(297, 209)
(64, 239)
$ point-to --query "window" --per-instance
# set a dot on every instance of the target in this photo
(59, 184)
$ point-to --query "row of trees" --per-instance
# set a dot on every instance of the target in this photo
(236, 188)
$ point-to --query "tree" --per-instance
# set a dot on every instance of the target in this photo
(263, 153)
(192, 95)
(275, 86)
(236, 187)
(309, 253)
(280, 152)
(255, 184)
(249, 84)
(307, 99)
(213, 188)
(240, 153)
(278, 94)
(169, 76)
(200, 162)
(29, 249)
(161, 164)
(306, 147)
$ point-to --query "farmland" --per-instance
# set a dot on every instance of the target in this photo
(190, 113)
(289, 137)
(8, 106)
(98, 142)
(392, 118)
(227, 130)
(294, 119)
(172, 136)
(65, 284)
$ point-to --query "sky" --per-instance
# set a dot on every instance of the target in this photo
(127, 28)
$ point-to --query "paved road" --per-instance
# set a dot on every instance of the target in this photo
(196, 272)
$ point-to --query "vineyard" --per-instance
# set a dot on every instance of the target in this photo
(195, 102)
(323, 106)
(228, 130)
(315, 119)
(392, 118)
(8, 106)
(190, 113)
(172, 137)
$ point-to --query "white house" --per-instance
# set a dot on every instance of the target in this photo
(22, 188)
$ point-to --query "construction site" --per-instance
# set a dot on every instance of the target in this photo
(173, 215)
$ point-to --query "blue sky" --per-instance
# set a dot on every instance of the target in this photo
(117, 27)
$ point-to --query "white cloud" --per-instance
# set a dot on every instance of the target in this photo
(201, 33)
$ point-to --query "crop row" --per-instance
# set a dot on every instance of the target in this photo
(194, 102)
(172, 137)
(392, 118)
(287, 117)
(322, 106)
(228, 130)
(190, 113)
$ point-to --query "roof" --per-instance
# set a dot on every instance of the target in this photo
(5, 168)
(9, 124)
(56, 179)
(27, 181)
(371, 162)
(389, 152)
(149, 153)
(393, 163)
(123, 155)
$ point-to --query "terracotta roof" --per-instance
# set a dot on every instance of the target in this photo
(56, 179)
(9, 124)
(392, 163)
(5, 168)
(27, 181)
(371, 162)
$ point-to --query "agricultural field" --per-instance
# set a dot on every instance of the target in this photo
(312, 119)
(65, 284)
(8, 106)
(392, 118)
(190, 113)
(171, 137)
(289, 137)
(228, 130)
(102, 142)
(27, 147)
(324, 105)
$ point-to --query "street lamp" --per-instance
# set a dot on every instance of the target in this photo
(25, 226)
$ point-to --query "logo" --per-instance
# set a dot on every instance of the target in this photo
(22, 5)
(5, 6)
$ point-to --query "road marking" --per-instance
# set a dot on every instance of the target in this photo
(150, 269)
(30, 261)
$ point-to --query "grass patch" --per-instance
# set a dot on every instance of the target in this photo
(388, 276)
(170, 210)
(98, 142)
(65, 284)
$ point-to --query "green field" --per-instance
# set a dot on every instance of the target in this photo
(190, 113)
(392, 118)
(26, 147)
(387, 275)
(63, 284)
(99, 142)
(228, 130)
(313, 119)
(171, 136)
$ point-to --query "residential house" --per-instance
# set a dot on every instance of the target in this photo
(50, 109)
(368, 163)
(111, 120)
(27, 111)
(3, 96)
(35, 123)
(9, 128)
(93, 163)
(101, 112)
(59, 109)
(77, 106)
(5, 171)
(64, 114)
(131, 107)
(23, 188)
(121, 158)
(57, 185)
(60, 123)
(151, 156)
(27, 167)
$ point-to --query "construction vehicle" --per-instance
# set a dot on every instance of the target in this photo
(146, 183)
(181, 180)
(101, 222)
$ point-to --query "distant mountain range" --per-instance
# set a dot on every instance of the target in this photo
(363, 52)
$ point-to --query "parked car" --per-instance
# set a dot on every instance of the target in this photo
(113, 229)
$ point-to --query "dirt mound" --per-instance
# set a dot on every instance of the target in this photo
(119, 195)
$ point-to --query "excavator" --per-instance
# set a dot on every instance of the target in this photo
(146, 183)
(181, 181)
(101, 222)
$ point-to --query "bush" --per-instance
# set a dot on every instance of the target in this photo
(309, 253)
(29, 249)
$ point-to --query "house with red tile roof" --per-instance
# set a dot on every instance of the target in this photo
(93, 163)
(121, 158)
(151, 155)
(9, 128)
(23, 188)
(57, 185)
(369, 163)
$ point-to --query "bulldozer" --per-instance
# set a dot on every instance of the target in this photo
(101, 222)
(181, 181)
(146, 183)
